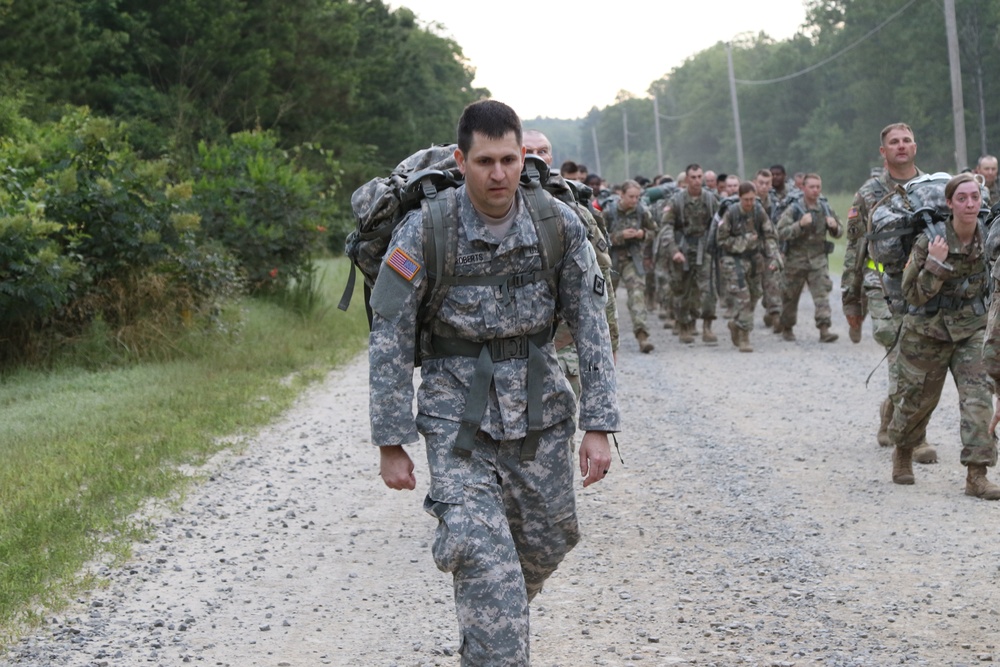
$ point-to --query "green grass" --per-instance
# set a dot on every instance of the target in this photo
(83, 450)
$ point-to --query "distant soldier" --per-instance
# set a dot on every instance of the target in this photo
(771, 277)
(683, 245)
(987, 168)
(632, 233)
(536, 143)
(805, 225)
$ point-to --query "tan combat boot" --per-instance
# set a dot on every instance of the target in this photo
(885, 414)
(787, 334)
(854, 333)
(687, 332)
(734, 332)
(826, 336)
(668, 322)
(925, 453)
(902, 467)
(644, 345)
(706, 333)
(977, 485)
(778, 326)
(745, 341)
(767, 320)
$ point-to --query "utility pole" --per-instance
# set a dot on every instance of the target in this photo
(656, 125)
(957, 102)
(736, 112)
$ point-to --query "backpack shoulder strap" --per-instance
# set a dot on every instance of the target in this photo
(440, 219)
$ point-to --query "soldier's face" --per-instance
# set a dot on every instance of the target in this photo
(988, 169)
(777, 178)
(898, 148)
(694, 181)
(747, 200)
(630, 198)
(492, 170)
(536, 143)
(811, 189)
(763, 184)
(965, 202)
(711, 180)
(732, 186)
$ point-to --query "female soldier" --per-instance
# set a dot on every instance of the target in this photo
(944, 284)
(748, 241)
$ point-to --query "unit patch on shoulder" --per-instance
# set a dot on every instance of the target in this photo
(599, 287)
(402, 264)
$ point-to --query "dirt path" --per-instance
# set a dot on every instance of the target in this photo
(753, 523)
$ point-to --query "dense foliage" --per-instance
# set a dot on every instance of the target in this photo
(827, 120)
(158, 157)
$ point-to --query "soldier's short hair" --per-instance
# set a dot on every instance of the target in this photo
(982, 158)
(490, 118)
(691, 167)
(568, 167)
(893, 126)
(745, 187)
(629, 184)
(811, 177)
(763, 172)
(778, 167)
(949, 189)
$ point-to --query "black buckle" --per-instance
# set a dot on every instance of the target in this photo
(503, 349)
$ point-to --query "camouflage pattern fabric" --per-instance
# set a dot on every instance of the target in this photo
(772, 281)
(991, 338)
(628, 257)
(949, 339)
(522, 512)
(805, 263)
(514, 523)
(745, 255)
(685, 225)
(994, 192)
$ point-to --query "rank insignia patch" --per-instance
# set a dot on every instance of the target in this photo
(599, 285)
(402, 264)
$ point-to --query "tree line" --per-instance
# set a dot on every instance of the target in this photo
(159, 157)
(825, 120)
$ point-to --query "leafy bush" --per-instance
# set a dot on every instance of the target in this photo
(263, 205)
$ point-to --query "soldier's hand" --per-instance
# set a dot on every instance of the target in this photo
(396, 468)
(938, 249)
(995, 420)
(806, 220)
(831, 223)
(595, 457)
(647, 264)
(678, 257)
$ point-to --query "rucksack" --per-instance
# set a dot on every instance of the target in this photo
(896, 220)
(428, 179)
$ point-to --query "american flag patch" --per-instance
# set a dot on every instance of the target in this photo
(853, 213)
(402, 264)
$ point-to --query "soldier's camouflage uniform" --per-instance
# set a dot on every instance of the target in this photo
(628, 256)
(504, 523)
(771, 280)
(806, 262)
(994, 192)
(748, 243)
(685, 227)
(991, 337)
(598, 235)
(943, 330)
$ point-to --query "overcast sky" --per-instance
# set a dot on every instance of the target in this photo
(607, 46)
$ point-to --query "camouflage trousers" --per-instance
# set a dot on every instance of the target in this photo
(771, 282)
(504, 525)
(691, 290)
(611, 311)
(818, 281)
(635, 287)
(741, 283)
(664, 297)
(923, 364)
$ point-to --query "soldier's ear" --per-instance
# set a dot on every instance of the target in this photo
(460, 160)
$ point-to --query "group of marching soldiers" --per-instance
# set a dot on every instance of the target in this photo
(679, 247)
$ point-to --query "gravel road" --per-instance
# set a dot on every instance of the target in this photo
(753, 523)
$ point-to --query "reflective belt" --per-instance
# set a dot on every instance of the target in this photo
(875, 267)
(487, 354)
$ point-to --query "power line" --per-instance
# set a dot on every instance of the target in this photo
(834, 56)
